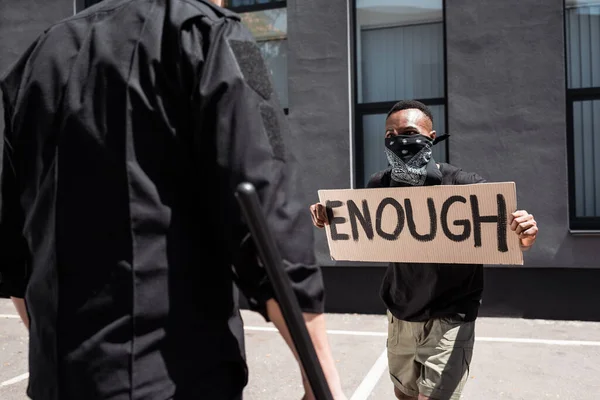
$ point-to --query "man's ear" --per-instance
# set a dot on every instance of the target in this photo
(432, 135)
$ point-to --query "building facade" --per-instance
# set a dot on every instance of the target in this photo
(516, 84)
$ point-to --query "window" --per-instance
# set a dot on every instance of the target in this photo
(399, 55)
(267, 20)
(80, 5)
(582, 28)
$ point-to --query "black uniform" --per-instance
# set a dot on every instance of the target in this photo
(421, 291)
(128, 127)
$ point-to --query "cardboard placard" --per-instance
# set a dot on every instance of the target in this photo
(462, 224)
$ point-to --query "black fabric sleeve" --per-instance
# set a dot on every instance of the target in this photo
(13, 248)
(234, 100)
(452, 175)
(379, 179)
(467, 178)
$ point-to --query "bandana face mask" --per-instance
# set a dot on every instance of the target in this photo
(411, 161)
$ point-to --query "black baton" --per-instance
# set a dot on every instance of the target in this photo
(269, 253)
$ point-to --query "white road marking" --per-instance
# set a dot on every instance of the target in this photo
(260, 328)
(331, 331)
(366, 387)
(555, 342)
(11, 316)
(356, 333)
(14, 380)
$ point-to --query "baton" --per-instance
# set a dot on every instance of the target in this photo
(292, 314)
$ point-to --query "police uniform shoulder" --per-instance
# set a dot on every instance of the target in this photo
(11, 79)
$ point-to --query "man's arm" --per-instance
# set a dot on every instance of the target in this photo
(315, 324)
(235, 102)
(21, 309)
(14, 253)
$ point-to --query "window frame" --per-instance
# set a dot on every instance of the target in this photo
(577, 223)
(79, 5)
(360, 110)
(258, 7)
(262, 7)
(574, 95)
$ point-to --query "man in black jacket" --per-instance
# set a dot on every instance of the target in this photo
(431, 307)
(128, 128)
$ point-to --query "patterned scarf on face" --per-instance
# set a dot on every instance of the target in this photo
(411, 162)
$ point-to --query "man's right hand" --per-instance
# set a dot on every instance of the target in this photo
(319, 215)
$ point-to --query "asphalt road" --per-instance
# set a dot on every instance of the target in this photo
(514, 359)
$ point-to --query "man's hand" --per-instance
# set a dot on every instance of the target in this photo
(319, 215)
(525, 226)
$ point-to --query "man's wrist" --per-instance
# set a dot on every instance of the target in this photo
(525, 246)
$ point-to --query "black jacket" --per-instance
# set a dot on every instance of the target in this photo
(128, 127)
(421, 291)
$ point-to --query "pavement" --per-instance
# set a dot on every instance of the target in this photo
(514, 359)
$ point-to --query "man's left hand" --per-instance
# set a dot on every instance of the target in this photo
(525, 226)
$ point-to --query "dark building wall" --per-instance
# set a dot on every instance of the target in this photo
(319, 99)
(507, 113)
(546, 293)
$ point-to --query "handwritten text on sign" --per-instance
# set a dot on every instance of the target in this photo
(440, 224)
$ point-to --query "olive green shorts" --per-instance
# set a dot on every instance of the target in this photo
(431, 358)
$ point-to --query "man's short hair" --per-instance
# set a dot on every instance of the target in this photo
(410, 104)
